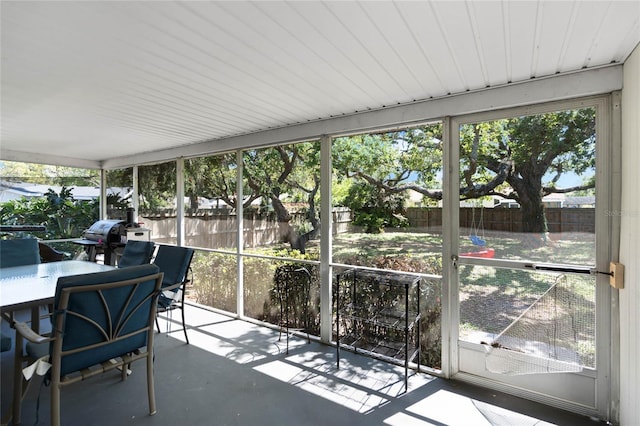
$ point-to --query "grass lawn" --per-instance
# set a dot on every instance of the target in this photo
(566, 248)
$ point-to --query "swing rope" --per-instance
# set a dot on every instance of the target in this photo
(475, 239)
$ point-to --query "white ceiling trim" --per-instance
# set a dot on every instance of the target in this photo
(49, 159)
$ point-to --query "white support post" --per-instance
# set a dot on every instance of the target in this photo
(103, 194)
(180, 224)
(135, 197)
(240, 236)
(326, 219)
(450, 219)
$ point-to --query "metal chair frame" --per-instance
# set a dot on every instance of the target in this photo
(178, 288)
(103, 354)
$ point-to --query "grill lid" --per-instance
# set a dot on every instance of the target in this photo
(108, 231)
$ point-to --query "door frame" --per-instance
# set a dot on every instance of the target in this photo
(601, 396)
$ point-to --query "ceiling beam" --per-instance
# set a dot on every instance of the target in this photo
(53, 160)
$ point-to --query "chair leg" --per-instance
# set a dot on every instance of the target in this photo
(150, 383)
(168, 314)
(170, 319)
(20, 384)
(16, 410)
(184, 326)
(55, 403)
(124, 369)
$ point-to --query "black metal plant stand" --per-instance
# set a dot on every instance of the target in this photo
(380, 323)
(289, 278)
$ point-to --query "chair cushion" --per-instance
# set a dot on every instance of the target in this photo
(111, 313)
(136, 253)
(19, 252)
(174, 261)
(5, 343)
(37, 350)
(164, 302)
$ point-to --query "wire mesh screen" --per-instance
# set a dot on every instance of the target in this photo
(529, 322)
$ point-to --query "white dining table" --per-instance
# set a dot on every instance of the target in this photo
(33, 286)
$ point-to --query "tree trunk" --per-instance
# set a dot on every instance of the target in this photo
(301, 242)
(286, 231)
(530, 199)
(193, 203)
(533, 217)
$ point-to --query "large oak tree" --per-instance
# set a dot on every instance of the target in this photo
(521, 158)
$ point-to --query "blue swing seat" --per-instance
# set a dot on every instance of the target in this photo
(477, 240)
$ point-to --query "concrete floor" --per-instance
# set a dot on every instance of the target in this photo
(237, 373)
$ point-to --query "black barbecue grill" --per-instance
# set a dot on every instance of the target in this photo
(104, 236)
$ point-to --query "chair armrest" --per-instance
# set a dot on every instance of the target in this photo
(172, 287)
(26, 332)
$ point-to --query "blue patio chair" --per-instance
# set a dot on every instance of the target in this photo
(102, 321)
(19, 252)
(136, 253)
(175, 263)
(5, 343)
(49, 254)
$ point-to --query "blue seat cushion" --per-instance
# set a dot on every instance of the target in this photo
(5, 343)
(19, 252)
(111, 313)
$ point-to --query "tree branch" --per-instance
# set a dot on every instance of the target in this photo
(552, 190)
(288, 163)
(502, 173)
(394, 189)
(473, 158)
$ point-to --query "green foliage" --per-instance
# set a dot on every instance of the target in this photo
(275, 176)
(372, 223)
(376, 209)
(379, 167)
(48, 174)
(340, 189)
(157, 186)
(392, 158)
(211, 177)
(523, 158)
(567, 136)
(291, 170)
(61, 214)
(215, 280)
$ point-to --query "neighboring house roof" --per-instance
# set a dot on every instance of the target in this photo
(589, 200)
(16, 190)
(10, 193)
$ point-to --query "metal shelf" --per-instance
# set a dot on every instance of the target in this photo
(378, 321)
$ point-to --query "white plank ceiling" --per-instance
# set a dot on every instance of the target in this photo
(95, 80)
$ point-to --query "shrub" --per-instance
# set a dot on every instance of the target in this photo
(215, 281)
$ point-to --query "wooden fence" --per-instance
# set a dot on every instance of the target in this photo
(218, 228)
(508, 220)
